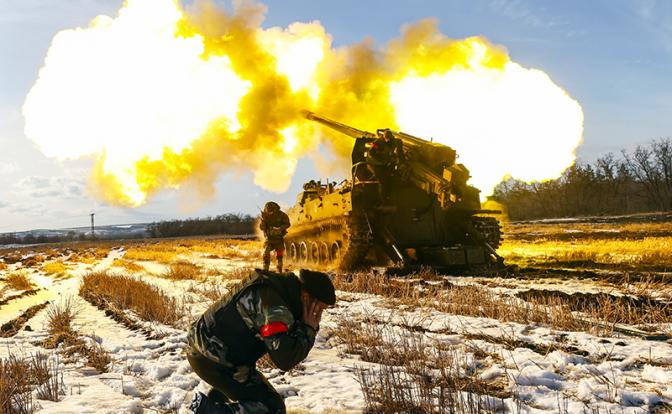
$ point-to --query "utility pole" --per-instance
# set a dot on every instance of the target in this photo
(93, 231)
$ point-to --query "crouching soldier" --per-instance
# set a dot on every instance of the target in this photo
(274, 223)
(274, 313)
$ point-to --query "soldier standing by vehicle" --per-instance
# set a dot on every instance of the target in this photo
(274, 224)
(274, 313)
(385, 155)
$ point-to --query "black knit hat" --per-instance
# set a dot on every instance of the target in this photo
(318, 285)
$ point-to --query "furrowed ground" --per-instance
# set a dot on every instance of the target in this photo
(576, 322)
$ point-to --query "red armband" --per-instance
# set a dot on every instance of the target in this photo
(273, 328)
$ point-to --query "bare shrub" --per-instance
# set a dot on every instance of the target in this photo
(125, 292)
(19, 281)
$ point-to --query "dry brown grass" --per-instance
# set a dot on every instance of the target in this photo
(556, 311)
(59, 319)
(125, 292)
(61, 332)
(33, 260)
(228, 249)
(217, 283)
(11, 257)
(15, 386)
(650, 251)
(150, 255)
(183, 270)
(3, 266)
(128, 265)
(79, 258)
(416, 374)
(579, 230)
(55, 268)
(212, 291)
(19, 377)
(170, 250)
(19, 281)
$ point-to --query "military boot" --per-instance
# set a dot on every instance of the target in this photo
(267, 262)
(280, 264)
(202, 404)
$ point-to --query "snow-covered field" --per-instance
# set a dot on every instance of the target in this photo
(533, 367)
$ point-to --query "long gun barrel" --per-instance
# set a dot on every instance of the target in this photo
(337, 126)
(407, 139)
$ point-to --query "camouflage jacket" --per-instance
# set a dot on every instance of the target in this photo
(274, 225)
(262, 314)
(386, 152)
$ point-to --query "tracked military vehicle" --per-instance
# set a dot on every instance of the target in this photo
(406, 205)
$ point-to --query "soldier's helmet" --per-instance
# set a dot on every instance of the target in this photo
(388, 135)
(271, 207)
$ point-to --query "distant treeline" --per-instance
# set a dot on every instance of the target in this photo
(633, 182)
(223, 224)
(13, 238)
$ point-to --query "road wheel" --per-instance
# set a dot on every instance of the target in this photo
(303, 252)
(314, 253)
(335, 253)
(293, 253)
(324, 253)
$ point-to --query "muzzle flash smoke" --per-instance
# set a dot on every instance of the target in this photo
(161, 96)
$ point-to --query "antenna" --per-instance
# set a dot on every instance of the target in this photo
(93, 228)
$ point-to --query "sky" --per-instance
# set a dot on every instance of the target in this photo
(613, 56)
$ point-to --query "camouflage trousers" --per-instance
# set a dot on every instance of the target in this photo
(244, 391)
(277, 245)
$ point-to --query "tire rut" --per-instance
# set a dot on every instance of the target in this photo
(12, 327)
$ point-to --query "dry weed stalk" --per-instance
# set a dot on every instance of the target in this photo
(48, 377)
(125, 292)
(19, 377)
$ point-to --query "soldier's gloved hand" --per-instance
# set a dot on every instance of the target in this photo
(312, 314)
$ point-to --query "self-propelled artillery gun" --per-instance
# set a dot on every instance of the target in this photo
(406, 205)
